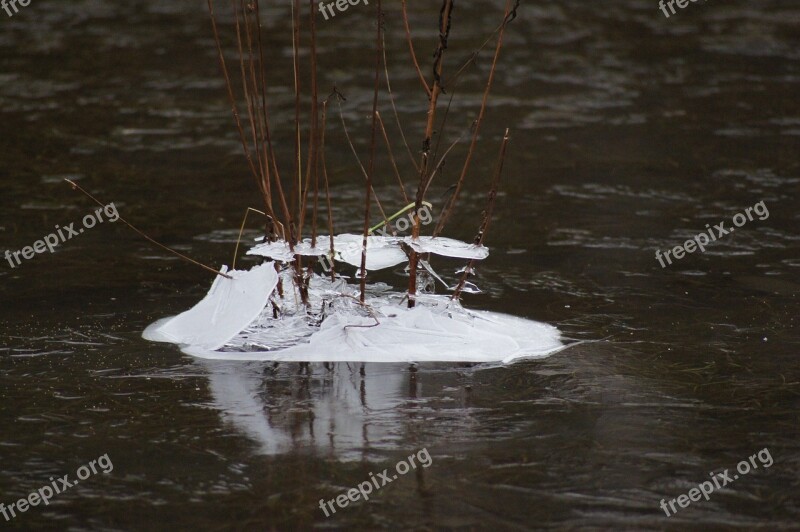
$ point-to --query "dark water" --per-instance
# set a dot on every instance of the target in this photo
(631, 132)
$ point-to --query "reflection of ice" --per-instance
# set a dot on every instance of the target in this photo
(334, 411)
(235, 394)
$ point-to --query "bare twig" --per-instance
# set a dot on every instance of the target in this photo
(391, 157)
(353, 149)
(394, 107)
(454, 198)
(327, 186)
(75, 186)
(452, 82)
(445, 17)
(241, 231)
(298, 187)
(368, 308)
(313, 138)
(231, 95)
(442, 160)
(372, 142)
(411, 49)
(268, 134)
(487, 213)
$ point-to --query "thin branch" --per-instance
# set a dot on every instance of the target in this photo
(231, 96)
(391, 156)
(241, 231)
(353, 149)
(250, 89)
(372, 143)
(368, 308)
(487, 213)
(394, 107)
(245, 80)
(276, 173)
(510, 15)
(411, 50)
(453, 82)
(263, 118)
(454, 198)
(327, 185)
(441, 162)
(298, 187)
(445, 18)
(311, 166)
(75, 186)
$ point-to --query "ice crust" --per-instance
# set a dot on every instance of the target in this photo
(447, 247)
(229, 306)
(382, 251)
(235, 321)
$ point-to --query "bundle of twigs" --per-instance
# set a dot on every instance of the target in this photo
(286, 213)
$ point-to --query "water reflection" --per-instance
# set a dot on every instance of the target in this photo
(335, 409)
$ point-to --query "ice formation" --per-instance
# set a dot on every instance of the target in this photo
(258, 315)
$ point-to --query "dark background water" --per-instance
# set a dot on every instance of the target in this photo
(630, 132)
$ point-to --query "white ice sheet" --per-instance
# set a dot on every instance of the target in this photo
(229, 306)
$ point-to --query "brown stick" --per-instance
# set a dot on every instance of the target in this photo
(298, 185)
(311, 165)
(442, 160)
(258, 90)
(444, 32)
(75, 186)
(453, 81)
(268, 134)
(314, 155)
(454, 198)
(411, 50)
(355, 153)
(327, 186)
(241, 232)
(391, 157)
(263, 122)
(372, 143)
(394, 108)
(487, 213)
(231, 96)
(250, 90)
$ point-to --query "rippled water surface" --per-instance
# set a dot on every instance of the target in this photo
(630, 133)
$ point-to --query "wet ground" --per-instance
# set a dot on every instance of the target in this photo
(630, 132)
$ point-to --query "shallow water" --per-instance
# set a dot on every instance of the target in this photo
(630, 133)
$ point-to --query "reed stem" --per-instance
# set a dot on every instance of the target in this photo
(487, 213)
(372, 145)
(445, 19)
(450, 205)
